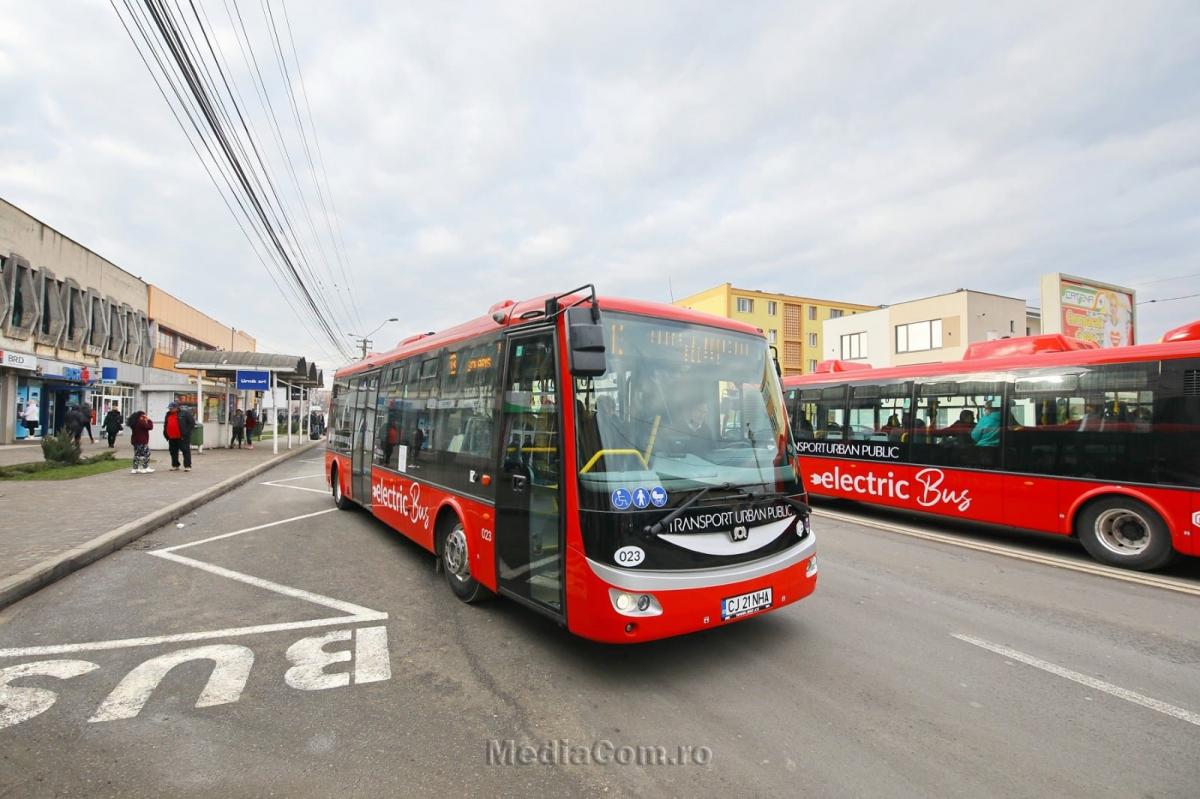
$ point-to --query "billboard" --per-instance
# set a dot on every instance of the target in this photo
(1088, 310)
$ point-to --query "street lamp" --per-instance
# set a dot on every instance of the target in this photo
(365, 341)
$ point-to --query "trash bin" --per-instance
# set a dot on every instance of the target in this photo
(198, 436)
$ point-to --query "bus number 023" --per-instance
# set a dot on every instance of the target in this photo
(629, 556)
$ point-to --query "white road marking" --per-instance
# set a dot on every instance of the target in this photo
(241, 532)
(19, 703)
(1083, 679)
(291, 479)
(358, 613)
(1098, 569)
(310, 661)
(371, 660)
(154, 640)
(298, 488)
(258, 582)
(231, 669)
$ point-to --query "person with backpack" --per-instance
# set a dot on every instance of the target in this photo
(113, 423)
(239, 428)
(73, 423)
(140, 426)
(177, 428)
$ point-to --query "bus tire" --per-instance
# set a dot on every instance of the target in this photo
(335, 487)
(1121, 531)
(456, 564)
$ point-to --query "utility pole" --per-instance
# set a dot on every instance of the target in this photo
(365, 341)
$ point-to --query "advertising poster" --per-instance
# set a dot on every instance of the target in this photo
(1098, 314)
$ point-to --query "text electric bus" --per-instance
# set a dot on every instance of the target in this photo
(623, 467)
(1041, 433)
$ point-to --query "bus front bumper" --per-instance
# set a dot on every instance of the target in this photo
(682, 602)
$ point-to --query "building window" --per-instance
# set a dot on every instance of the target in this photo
(854, 346)
(812, 365)
(812, 313)
(745, 305)
(772, 308)
(812, 339)
(1012, 326)
(919, 336)
(835, 313)
(772, 336)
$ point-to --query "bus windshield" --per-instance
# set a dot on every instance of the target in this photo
(682, 406)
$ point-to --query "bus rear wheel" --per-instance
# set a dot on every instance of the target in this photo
(456, 563)
(335, 487)
(1124, 532)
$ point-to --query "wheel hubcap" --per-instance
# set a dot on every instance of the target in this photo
(455, 555)
(1123, 531)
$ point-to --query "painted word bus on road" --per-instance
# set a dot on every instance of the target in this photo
(623, 467)
(1042, 433)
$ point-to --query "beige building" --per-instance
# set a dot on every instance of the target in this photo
(792, 323)
(928, 330)
(181, 327)
(76, 328)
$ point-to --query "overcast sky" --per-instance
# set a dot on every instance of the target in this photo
(865, 152)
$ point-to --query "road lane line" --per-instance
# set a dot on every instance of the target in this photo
(258, 582)
(290, 479)
(153, 640)
(298, 488)
(242, 531)
(1097, 569)
(1083, 679)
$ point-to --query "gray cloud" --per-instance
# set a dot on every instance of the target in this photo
(868, 152)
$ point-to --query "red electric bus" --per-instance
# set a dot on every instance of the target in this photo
(623, 467)
(1041, 433)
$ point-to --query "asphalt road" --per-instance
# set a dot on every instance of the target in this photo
(919, 668)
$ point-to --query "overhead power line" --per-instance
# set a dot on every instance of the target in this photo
(184, 59)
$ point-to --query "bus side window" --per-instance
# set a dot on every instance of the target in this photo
(950, 426)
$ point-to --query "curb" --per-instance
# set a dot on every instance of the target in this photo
(54, 569)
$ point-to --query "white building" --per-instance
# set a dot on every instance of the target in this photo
(928, 330)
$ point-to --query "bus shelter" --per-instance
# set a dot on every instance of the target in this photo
(258, 371)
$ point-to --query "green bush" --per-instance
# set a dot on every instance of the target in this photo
(60, 449)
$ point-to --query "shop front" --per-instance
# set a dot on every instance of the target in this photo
(20, 384)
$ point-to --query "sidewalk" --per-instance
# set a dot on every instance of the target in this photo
(45, 523)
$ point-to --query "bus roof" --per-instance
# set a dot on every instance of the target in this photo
(1079, 357)
(513, 311)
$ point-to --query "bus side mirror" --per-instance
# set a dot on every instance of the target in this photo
(775, 358)
(585, 343)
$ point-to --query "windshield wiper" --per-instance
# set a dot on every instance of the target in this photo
(657, 527)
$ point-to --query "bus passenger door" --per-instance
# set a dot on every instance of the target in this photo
(364, 437)
(529, 563)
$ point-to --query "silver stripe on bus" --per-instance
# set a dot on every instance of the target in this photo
(631, 580)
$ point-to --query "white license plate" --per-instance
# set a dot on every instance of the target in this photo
(735, 606)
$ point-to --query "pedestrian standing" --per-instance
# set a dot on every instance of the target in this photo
(31, 417)
(113, 422)
(251, 427)
(177, 428)
(140, 426)
(239, 428)
(85, 410)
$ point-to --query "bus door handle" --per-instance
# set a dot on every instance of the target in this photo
(519, 482)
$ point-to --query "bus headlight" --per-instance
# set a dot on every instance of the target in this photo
(630, 604)
(812, 567)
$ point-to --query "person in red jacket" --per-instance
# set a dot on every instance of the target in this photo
(178, 428)
(140, 426)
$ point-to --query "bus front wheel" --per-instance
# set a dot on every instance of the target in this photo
(1124, 532)
(456, 564)
(335, 487)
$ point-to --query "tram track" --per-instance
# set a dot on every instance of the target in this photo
(1100, 570)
